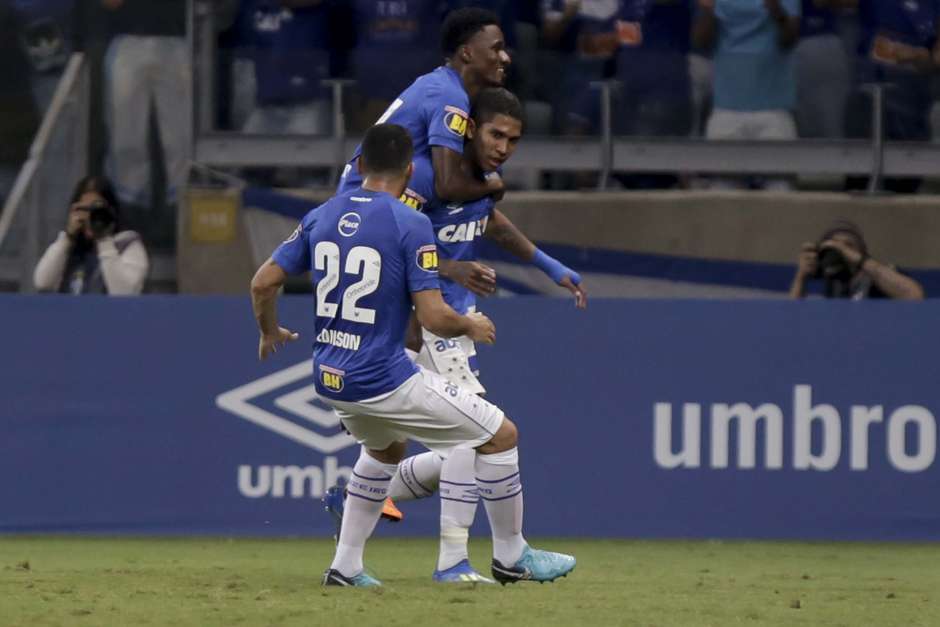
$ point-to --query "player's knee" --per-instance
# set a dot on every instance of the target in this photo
(505, 438)
(390, 455)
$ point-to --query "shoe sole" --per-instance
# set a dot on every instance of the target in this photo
(508, 581)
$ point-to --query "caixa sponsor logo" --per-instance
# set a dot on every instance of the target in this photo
(304, 418)
(905, 436)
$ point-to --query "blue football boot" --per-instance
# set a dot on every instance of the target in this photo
(461, 572)
(534, 565)
(334, 578)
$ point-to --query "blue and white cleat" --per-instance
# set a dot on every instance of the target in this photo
(334, 578)
(534, 565)
(461, 572)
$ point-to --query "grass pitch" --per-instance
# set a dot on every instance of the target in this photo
(106, 581)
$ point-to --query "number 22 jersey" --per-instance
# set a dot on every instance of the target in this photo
(368, 252)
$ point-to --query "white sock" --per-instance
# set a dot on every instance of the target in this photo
(416, 477)
(366, 489)
(501, 490)
(459, 497)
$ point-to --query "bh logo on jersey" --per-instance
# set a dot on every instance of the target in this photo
(455, 120)
(427, 258)
(331, 378)
(466, 232)
(349, 224)
(413, 199)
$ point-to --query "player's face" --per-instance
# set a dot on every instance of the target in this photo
(495, 141)
(488, 56)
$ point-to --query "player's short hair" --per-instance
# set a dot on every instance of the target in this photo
(494, 101)
(461, 25)
(386, 149)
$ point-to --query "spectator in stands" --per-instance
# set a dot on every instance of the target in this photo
(406, 31)
(754, 86)
(653, 67)
(655, 90)
(147, 67)
(584, 32)
(822, 71)
(289, 43)
(18, 116)
(93, 255)
(898, 45)
(840, 259)
(47, 39)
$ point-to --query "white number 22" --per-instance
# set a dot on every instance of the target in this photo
(360, 260)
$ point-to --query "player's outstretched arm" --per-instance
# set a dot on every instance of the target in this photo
(507, 236)
(265, 284)
(439, 318)
(452, 182)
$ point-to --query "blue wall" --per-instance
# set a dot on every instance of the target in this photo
(139, 415)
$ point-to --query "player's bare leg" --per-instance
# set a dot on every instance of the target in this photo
(367, 490)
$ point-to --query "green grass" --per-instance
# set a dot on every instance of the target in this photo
(106, 581)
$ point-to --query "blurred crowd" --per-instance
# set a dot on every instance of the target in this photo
(722, 69)
(719, 69)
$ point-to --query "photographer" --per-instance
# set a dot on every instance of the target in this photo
(92, 255)
(840, 259)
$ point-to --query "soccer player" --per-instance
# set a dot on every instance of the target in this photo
(434, 110)
(492, 136)
(372, 259)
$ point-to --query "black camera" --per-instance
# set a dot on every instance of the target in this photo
(832, 265)
(101, 216)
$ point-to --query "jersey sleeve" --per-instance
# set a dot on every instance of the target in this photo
(447, 111)
(420, 253)
(293, 255)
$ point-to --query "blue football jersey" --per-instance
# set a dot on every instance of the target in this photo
(368, 253)
(457, 226)
(434, 111)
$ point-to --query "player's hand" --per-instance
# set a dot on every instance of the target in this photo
(476, 277)
(481, 329)
(269, 343)
(580, 294)
(808, 262)
(495, 186)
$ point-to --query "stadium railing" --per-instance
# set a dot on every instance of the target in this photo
(35, 209)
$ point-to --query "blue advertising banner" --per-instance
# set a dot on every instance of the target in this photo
(637, 419)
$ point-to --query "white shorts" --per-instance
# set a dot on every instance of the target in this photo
(427, 409)
(450, 358)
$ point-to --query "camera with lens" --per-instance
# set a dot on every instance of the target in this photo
(101, 216)
(832, 265)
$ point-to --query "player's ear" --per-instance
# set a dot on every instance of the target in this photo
(411, 170)
(465, 54)
(359, 166)
(471, 129)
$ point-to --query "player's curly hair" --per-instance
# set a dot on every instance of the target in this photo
(461, 25)
(386, 149)
(494, 101)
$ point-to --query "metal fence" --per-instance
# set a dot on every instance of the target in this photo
(36, 207)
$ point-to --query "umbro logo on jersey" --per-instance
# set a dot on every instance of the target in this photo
(349, 224)
(295, 234)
